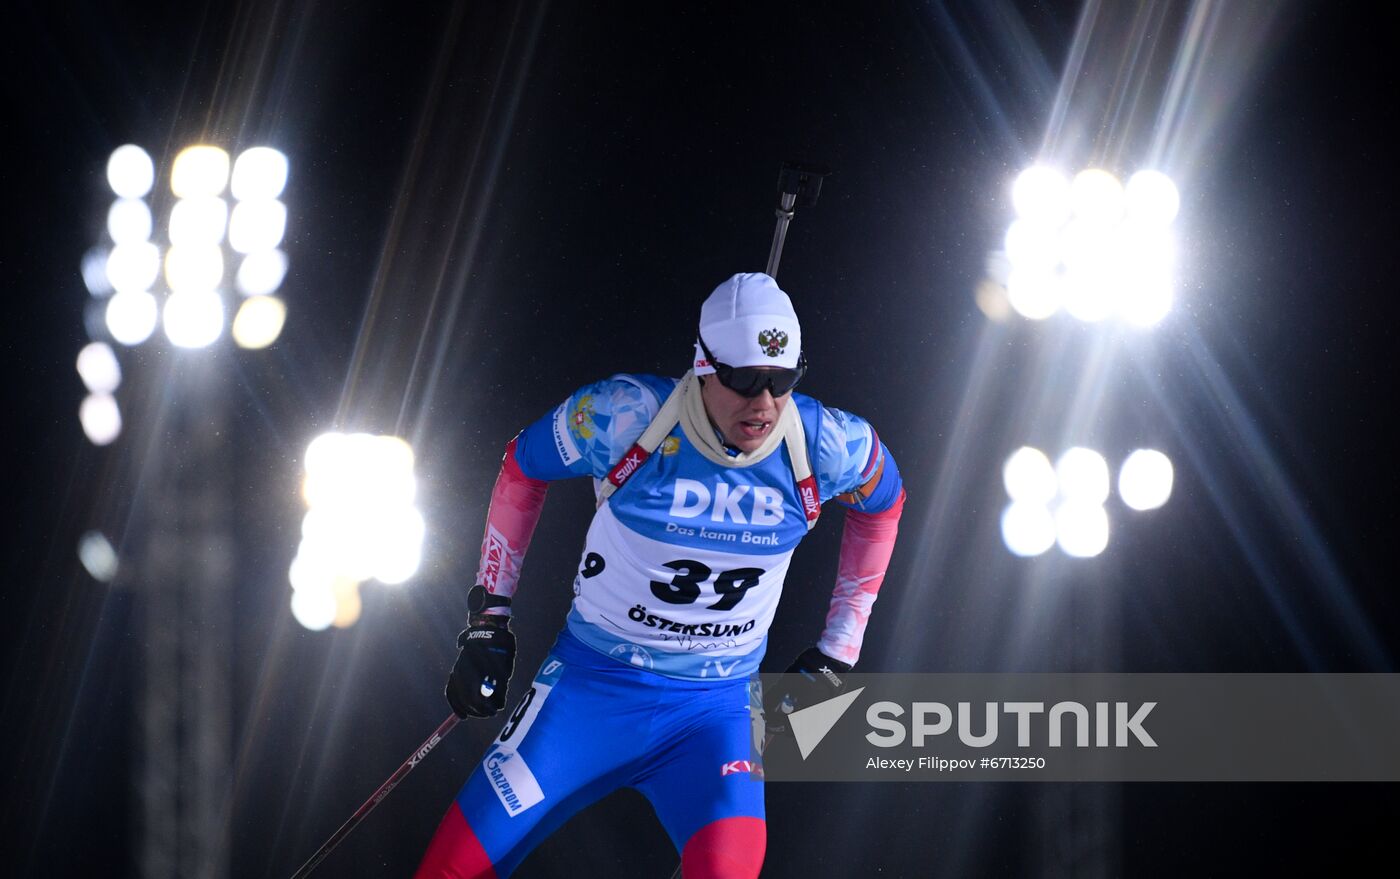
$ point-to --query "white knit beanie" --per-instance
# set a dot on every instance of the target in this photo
(748, 321)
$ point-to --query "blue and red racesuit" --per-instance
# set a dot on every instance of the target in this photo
(681, 571)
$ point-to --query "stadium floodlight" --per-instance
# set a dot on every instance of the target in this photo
(261, 272)
(199, 170)
(193, 268)
(133, 267)
(360, 522)
(1152, 198)
(1082, 475)
(193, 319)
(101, 418)
(98, 368)
(1145, 480)
(130, 172)
(260, 173)
(98, 557)
(403, 548)
(259, 321)
(1033, 245)
(1027, 529)
(257, 225)
(1029, 476)
(314, 609)
(1147, 301)
(1035, 295)
(198, 221)
(129, 221)
(132, 316)
(1041, 195)
(1081, 528)
(1094, 247)
(1097, 196)
(94, 269)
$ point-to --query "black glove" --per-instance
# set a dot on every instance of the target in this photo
(813, 677)
(477, 685)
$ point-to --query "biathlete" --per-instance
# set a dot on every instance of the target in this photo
(705, 487)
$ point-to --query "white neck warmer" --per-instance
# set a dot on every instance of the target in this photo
(695, 421)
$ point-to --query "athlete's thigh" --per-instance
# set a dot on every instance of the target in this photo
(701, 775)
(560, 749)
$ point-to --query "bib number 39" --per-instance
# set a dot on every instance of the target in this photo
(684, 588)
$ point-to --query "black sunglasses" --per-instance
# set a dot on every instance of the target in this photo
(750, 381)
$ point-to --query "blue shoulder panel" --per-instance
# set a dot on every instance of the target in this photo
(587, 433)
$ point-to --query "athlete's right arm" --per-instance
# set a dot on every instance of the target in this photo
(576, 439)
(583, 436)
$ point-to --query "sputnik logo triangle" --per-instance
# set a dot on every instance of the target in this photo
(810, 725)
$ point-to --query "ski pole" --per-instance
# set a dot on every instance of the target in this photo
(438, 735)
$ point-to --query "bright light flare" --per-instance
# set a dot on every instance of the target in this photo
(98, 368)
(98, 557)
(261, 272)
(1082, 475)
(94, 269)
(1029, 477)
(259, 173)
(1081, 528)
(198, 221)
(1035, 295)
(129, 221)
(1041, 195)
(257, 225)
(1027, 529)
(314, 609)
(1145, 480)
(1152, 198)
(259, 322)
(361, 522)
(132, 316)
(193, 319)
(1032, 245)
(199, 171)
(1097, 196)
(130, 171)
(133, 267)
(194, 268)
(101, 418)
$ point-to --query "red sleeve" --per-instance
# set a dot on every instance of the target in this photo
(516, 502)
(866, 546)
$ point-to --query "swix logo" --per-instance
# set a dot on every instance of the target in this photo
(807, 490)
(734, 767)
(692, 499)
(830, 675)
(634, 458)
(423, 751)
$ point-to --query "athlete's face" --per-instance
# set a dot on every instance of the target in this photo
(745, 421)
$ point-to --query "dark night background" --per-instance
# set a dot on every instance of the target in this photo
(491, 205)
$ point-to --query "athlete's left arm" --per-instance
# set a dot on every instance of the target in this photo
(862, 475)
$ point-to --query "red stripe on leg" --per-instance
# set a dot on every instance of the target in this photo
(730, 848)
(455, 852)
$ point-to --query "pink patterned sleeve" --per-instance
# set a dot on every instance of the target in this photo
(516, 503)
(866, 545)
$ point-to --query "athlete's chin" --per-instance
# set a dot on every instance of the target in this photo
(748, 445)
